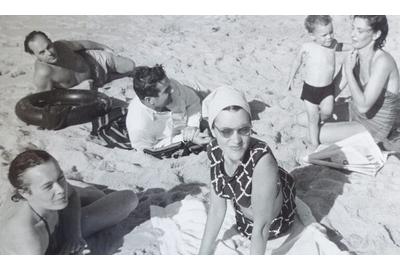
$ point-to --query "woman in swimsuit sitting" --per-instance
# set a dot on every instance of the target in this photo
(47, 215)
(373, 80)
(244, 170)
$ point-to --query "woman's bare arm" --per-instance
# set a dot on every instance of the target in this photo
(215, 217)
(380, 72)
(264, 192)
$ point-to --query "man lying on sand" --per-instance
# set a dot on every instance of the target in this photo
(163, 111)
(50, 216)
(81, 64)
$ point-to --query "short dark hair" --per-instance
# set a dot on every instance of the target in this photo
(377, 23)
(312, 20)
(24, 161)
(146, 79)
(31, 36)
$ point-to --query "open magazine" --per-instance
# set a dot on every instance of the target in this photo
(358, 153)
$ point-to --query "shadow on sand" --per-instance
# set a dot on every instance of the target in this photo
(319, 187)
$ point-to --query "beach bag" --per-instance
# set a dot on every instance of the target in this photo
(175, 150)
(358, 153)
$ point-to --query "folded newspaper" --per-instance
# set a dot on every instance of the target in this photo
(358, 153)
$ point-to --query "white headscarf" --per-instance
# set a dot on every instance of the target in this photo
(221, 98)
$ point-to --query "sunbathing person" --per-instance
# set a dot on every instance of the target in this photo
(162, 110)
(244, 170)
(81, 64)
(373, 79)
(50, 216)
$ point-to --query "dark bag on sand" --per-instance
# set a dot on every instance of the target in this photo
(175, 150)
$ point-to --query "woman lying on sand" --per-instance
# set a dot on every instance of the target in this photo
(244, 170)
(50, 216)
(373, 79)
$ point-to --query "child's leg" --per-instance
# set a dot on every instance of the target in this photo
(326, 107)
(302, 119)
(313, 122)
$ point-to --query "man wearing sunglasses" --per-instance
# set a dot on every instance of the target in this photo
(163, 111)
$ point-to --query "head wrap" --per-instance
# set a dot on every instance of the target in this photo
(221, 98)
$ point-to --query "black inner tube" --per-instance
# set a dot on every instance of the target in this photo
(57, 109)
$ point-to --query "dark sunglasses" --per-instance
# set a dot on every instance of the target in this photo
(228, 132)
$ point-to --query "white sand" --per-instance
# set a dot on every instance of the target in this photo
(250, 53)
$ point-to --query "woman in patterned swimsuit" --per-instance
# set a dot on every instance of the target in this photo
(244, 170)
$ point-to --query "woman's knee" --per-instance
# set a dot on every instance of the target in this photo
(129, 199)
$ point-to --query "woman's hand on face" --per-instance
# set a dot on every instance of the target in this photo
(351, 61)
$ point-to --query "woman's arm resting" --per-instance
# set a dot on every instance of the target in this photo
(263, 196)
(215, 217)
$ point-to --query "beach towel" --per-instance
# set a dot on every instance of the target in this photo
(111, 129)
(358, 153)
(182, 223)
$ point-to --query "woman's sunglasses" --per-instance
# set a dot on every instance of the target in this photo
(228, 132)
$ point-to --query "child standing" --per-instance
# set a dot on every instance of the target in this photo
(318, 58)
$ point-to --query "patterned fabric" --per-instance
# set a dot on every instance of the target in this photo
(112, 130)
(238, 187)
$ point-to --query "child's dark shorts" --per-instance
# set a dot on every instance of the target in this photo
(315, 94)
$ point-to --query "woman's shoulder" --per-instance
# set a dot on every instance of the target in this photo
(17, 218)
(259, 145)
(383, 58)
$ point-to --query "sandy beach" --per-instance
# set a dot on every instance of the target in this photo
(350, 213)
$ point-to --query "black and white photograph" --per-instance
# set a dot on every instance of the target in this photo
(199, 134)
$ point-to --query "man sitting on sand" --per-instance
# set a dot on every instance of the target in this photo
(80, 64)
(163, 111)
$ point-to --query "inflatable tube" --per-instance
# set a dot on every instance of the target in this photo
(60, 108)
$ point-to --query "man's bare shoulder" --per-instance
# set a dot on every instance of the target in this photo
(61, 43)
(42, 69)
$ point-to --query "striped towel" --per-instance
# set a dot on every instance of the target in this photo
(111, 128)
